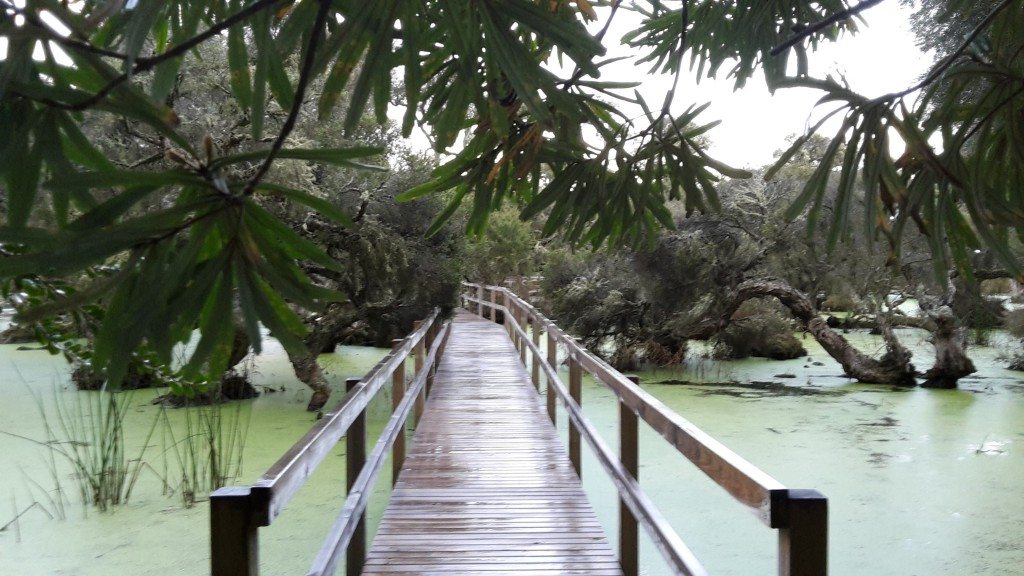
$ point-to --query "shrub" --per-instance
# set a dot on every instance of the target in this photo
(760, 328)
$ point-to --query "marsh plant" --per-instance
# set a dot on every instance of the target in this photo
(87, 430)
(203, 447)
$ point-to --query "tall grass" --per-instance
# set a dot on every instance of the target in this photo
(88, 432)
(206, 449)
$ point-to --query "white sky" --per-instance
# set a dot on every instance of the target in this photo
(880, 58)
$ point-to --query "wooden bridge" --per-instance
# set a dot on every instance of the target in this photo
(486, 486)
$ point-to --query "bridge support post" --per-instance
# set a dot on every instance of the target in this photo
(803, 541)
(493, 314)
(629, 455)
(480, 298)
(419, 354)
(553, 362)
(355, 459)
(576, 391)
(234, 543)
(397, 393)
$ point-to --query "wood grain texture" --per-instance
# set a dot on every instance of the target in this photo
(487, 487)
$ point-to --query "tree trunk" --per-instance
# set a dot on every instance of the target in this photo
(325, 331)
(307, 370)
(892, 368)
(951, 363)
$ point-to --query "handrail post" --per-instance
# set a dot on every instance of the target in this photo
(629, 455)
(355, 459)
(522, 340)
(535, 333)
(419, 353)
(553, 362)
(480, 300)
(493, 314)
(431, 336)
(803, 541)
(234, 542)
(397, 393)
(576, 391)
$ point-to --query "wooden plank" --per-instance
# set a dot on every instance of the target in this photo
(486, 486)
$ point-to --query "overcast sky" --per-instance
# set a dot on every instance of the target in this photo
(881, 58)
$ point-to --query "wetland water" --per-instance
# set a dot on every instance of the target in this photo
(920, 482)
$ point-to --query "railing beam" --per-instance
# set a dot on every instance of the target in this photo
(234, 539)
(803, 542)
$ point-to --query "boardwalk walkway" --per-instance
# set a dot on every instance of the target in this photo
(487, 487)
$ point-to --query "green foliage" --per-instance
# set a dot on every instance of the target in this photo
(188, 224)
(760, 328)
(964, 193)
(509, 247)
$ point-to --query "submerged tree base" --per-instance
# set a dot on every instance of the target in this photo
(233, 386)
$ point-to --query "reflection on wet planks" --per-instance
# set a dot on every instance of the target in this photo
(487, 487)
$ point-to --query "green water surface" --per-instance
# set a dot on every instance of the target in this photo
(920, 482)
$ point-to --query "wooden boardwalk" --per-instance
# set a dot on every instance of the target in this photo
(487, 487)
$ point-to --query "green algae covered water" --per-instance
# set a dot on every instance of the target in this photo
(155, 533)
(920, 482)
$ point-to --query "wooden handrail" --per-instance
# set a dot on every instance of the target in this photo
(282, 480)
(665, 539)
(326, 562)
(800, 515)
(238, 512)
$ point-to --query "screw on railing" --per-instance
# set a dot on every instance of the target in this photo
(803, 541)
(629, 455)
(355, 459)
(397, 393)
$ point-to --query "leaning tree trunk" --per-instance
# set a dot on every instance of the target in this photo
(951, 362)
(308, 370)
(892, 368)
(325, 331)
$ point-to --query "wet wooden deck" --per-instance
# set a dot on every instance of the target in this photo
(487, 487)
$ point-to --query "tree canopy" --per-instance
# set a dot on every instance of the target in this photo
(510, 91)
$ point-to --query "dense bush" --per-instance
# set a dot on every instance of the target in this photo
(760, 328)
